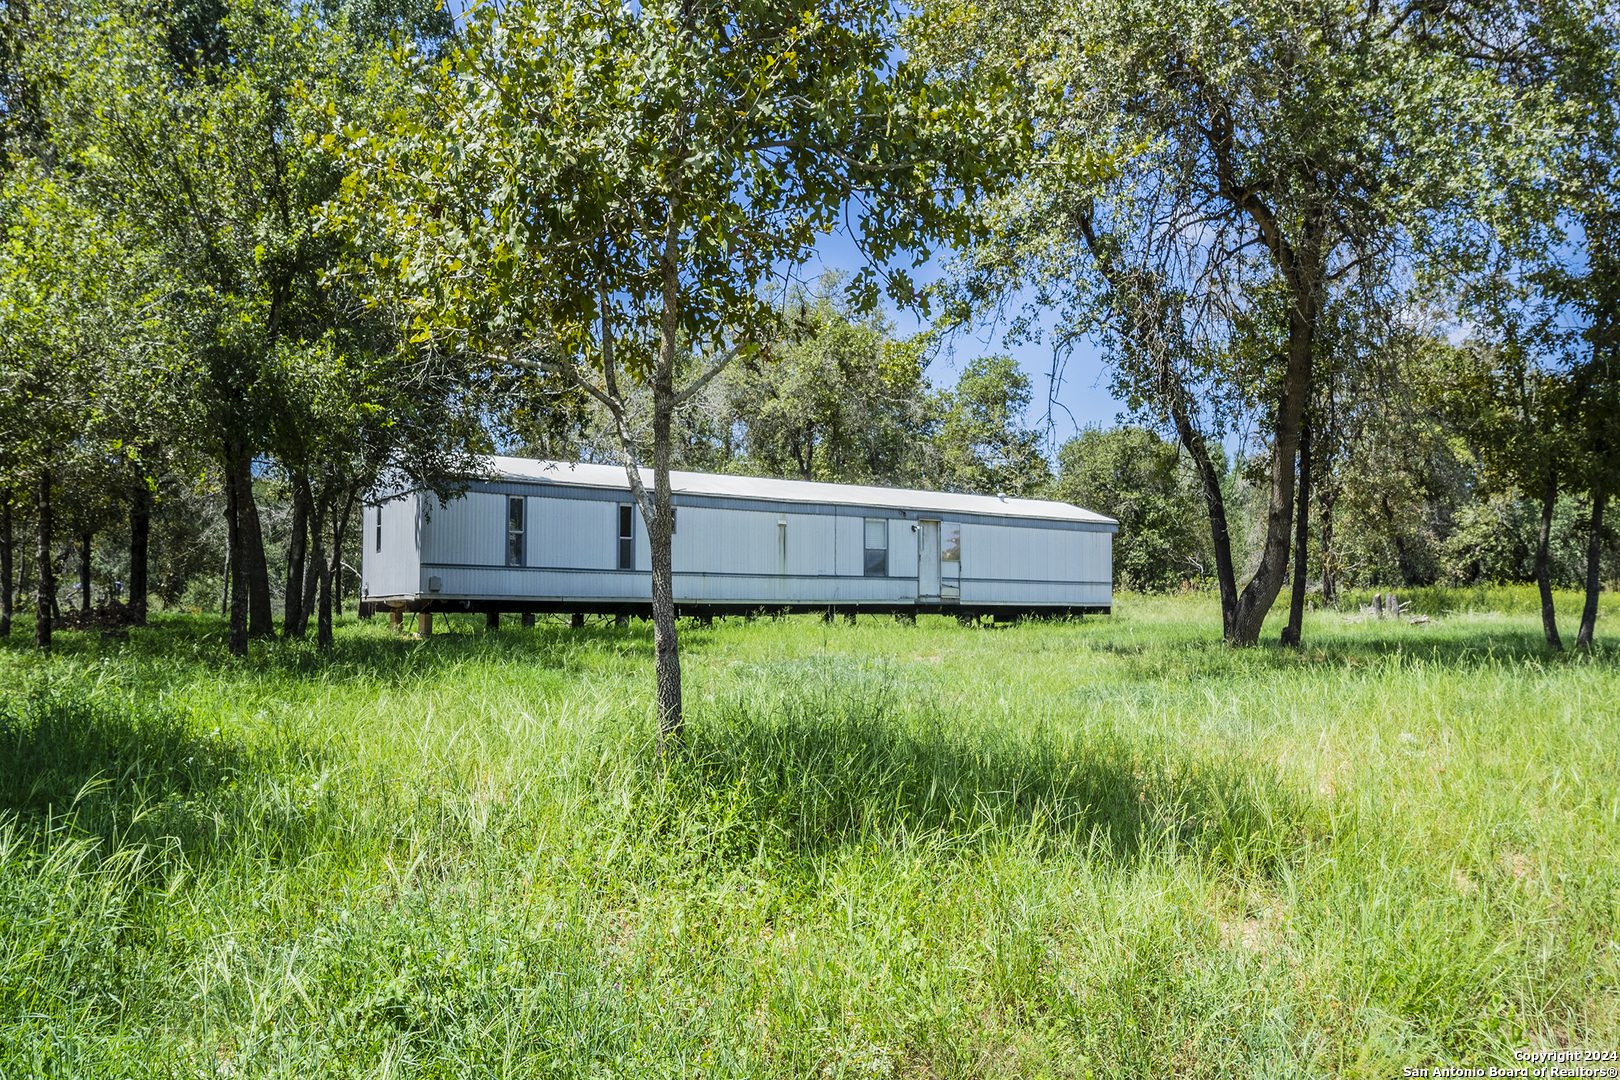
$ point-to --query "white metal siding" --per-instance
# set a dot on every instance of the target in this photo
(850, 533)
(573, 533)
(903, 544)
(470, 530)
(395, 569)
(754, 553)
(1009, 553)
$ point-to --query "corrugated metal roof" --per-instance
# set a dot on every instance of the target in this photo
(801, 491)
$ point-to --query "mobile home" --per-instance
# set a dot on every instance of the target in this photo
(541, 536)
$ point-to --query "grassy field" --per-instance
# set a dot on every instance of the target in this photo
(1100, 848)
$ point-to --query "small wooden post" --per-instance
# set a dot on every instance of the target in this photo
(1394, 607)
(528, 620)
(577, 620)
(492, 620)
(1378, 604)
(424, 623)
(396, 621)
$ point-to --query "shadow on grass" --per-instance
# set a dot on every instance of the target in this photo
(121, 776)
(59, 750)
(361, 650)
(805, 776)
(1471, 648)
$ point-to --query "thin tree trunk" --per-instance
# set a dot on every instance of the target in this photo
(1142, 324)
(1594, 565)
(1220, 536)
(1322, 453)
(254, 571)
(6, 595)
(84, 572)
(315, 557)
(1549, 617)
(1330, 582)
(666, 644)
(140, 535)
(319, 595)
(46, 598)
(323, 608)
(1302, 533)
(237, 607)
(330, 596)
(312, 574)
(230, 531)
(293, 619)
(655, 508)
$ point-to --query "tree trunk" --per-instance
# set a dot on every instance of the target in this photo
(1549, 618)
(329, 595)
(236, 598)
(666, 644)
(254, 571)
(230, 531)
(315, 556)
(1325, 445)
(1594, 566)
(317, 585)
(140, 535)
(5, 564)
(1330, 583)
(312, 571)
(294, 621)
(46, 598)
(656, 508)
(84, 572)
(1143, 327)
(1215, 504)
(1302, 532)
(1261, 591)
(323, 608)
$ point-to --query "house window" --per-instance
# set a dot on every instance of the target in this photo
(379, 528)
(514, 531)
(877, 547)
(627, 538)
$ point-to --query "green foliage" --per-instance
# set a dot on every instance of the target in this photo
(984, 446)
(846, 403)
(1138, 479)
(629, 164)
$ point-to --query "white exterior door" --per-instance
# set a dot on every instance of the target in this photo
(928, 560)
(950, 555)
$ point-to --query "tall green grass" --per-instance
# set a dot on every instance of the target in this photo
(1110, 847)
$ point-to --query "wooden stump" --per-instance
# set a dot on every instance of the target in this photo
(396, 621)
(424, 623)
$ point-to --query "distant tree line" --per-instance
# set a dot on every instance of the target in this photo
(264, 257)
